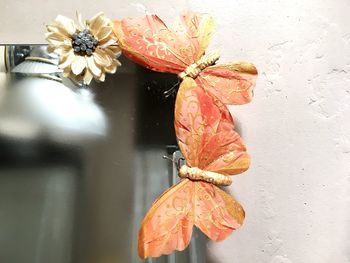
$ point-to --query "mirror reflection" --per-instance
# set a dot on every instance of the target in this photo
(80, 166)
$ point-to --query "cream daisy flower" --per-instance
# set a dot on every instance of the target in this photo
(87, 49)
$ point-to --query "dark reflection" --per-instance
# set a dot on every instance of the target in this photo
(155, 111)
(79, 168)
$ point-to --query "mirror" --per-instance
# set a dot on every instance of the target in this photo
(80, 166)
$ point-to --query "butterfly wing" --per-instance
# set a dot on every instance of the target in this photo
(217, 214)
(232, 83)
(198, 30)
(168, 224)
(148, 41)
(205, 132)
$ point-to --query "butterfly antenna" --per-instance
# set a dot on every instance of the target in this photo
(171, 91)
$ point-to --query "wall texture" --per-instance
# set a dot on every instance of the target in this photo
(297, 191)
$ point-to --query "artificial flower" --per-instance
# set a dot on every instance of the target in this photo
(87, 49)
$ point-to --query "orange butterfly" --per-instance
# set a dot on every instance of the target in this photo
(181, 50)
(213, 150)
(204, 128)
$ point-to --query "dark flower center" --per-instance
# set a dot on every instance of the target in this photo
(84, 43)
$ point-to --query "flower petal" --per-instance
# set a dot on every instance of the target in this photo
(115, 49)
(96, 17)
(88, 76)
(107, 42)
(103, 33)
(67, 59)
(97, 22)
(57, 41)
(55, 37)
(112, 68)
(63, 49)
(78, 65)
(67, 71)
(102, 58)
(81, 25)
(112, 54)
(53, 28)
(95, 69)
(57, 28)
(51, 48)
(102, 77)
(67, 23)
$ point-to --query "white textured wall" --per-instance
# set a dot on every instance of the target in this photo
(297, 129)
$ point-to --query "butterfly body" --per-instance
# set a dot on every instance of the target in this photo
(196, 174)
(197, 67)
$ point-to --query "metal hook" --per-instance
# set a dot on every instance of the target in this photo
(168, 158)
(177, 164)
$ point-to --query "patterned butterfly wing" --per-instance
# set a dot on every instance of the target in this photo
(231, 83)
(149, 42)
(217, 214)
(168, 224)
(205, 132)
(198, 30)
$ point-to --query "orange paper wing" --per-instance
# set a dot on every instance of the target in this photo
(205, 132)
(168, 224)
(148, 41)
(231, 83)
(198, 29)
(217, 214)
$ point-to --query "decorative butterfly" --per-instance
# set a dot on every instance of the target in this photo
(181, 50)
(203, 125)
(213, 150)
